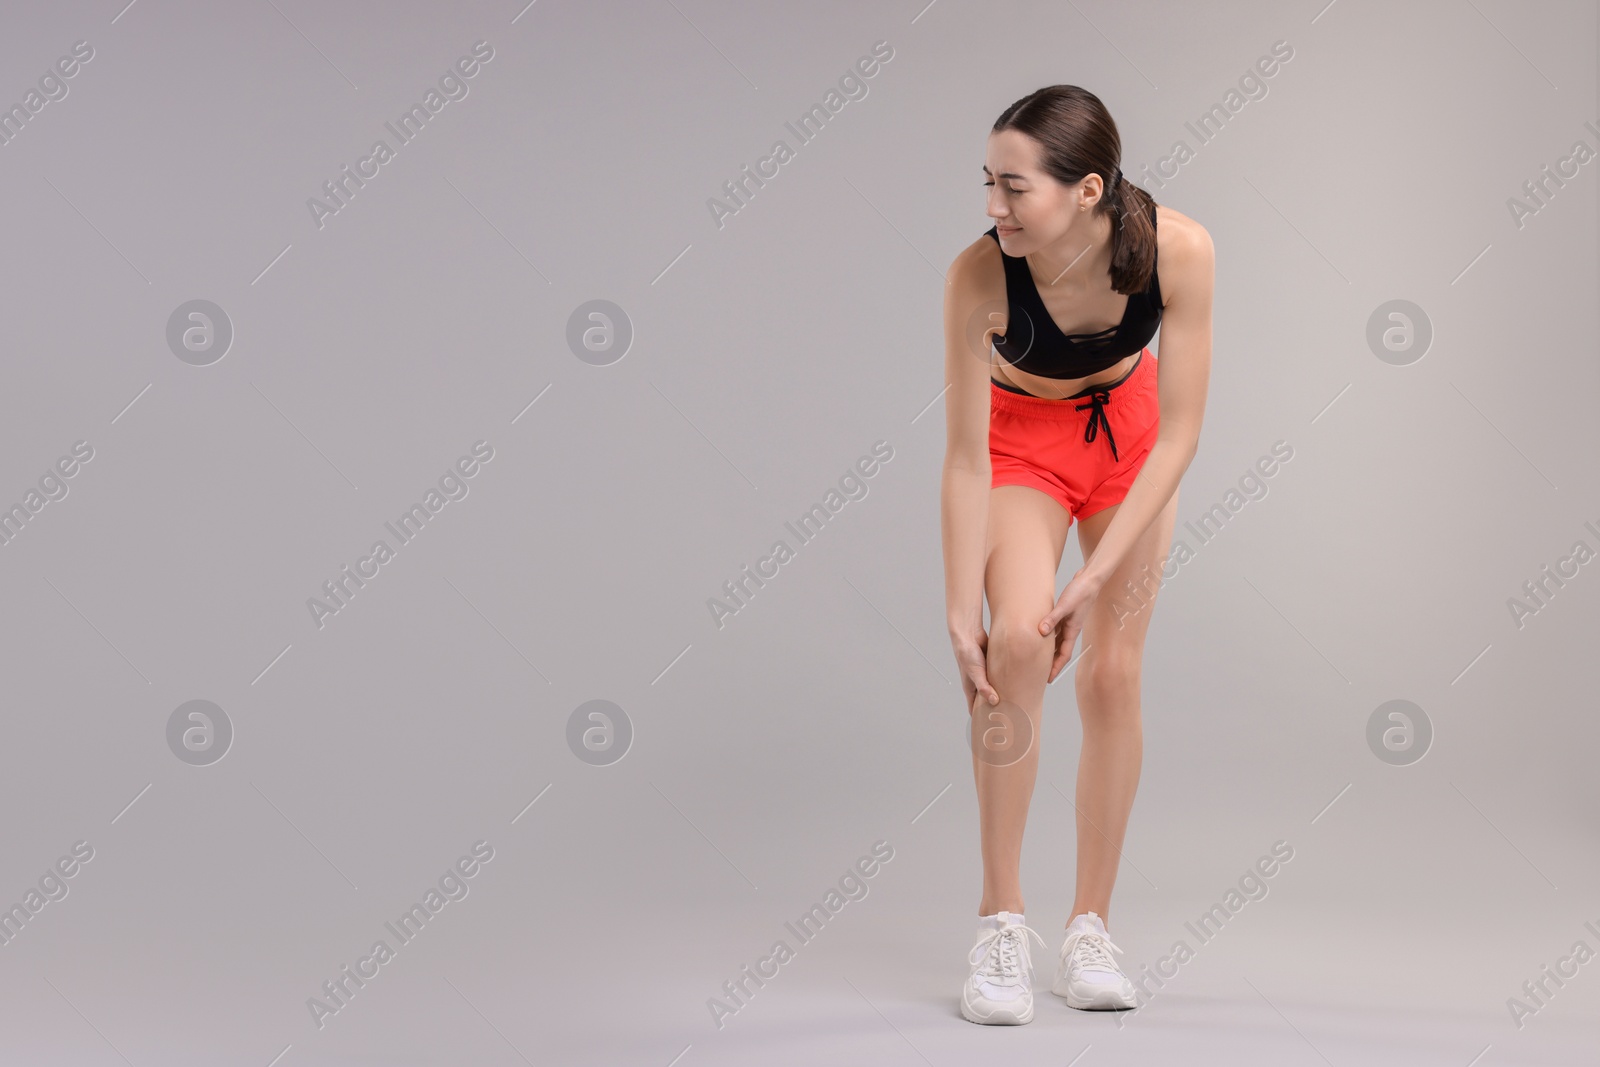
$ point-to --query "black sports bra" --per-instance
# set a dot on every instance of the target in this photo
(1034, 344)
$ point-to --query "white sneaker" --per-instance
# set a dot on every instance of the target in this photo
(1088, 977)
(999, 989)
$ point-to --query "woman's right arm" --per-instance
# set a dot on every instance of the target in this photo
(964, 493)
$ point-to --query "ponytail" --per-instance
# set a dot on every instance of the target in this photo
(1133, 235)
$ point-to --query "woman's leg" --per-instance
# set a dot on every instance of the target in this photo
(1027, 532)
(1107, 682)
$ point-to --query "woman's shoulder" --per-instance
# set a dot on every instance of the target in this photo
(1184, 255)
(983, 251)
(1179, 238)
(978, 268)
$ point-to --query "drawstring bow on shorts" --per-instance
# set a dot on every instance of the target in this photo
(1097, 419)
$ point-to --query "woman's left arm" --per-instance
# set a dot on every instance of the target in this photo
(1182, 375)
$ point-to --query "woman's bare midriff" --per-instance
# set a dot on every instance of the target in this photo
(1058, 388)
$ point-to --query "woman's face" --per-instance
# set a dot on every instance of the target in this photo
(1030, 208)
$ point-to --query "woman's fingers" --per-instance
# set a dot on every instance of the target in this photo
(975, 675)
(981, 680)
(1069, 639)
(1050, 621)
(973, 663)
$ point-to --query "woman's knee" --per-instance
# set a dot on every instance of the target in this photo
(1109, 675)
(1015, 643)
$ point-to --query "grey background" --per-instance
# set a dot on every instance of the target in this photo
(768, 356)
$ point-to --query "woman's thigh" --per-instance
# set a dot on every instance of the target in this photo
(1120, 615)
(1027, 533)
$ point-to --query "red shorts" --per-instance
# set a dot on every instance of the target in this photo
(1084, 451)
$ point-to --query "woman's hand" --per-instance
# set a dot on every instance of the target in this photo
(971, 648)
(1067, 618)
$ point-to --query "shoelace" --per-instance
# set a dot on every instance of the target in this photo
(1097, 419)
(1005, 952)
(1091, 951)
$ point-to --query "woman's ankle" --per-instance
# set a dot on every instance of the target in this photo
(984, 908)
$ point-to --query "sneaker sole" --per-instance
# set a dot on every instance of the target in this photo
(1000, 1016)
(1106, 1000)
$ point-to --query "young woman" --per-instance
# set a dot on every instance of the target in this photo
(1072, 421)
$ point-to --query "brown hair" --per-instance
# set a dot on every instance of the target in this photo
(1077, 138)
